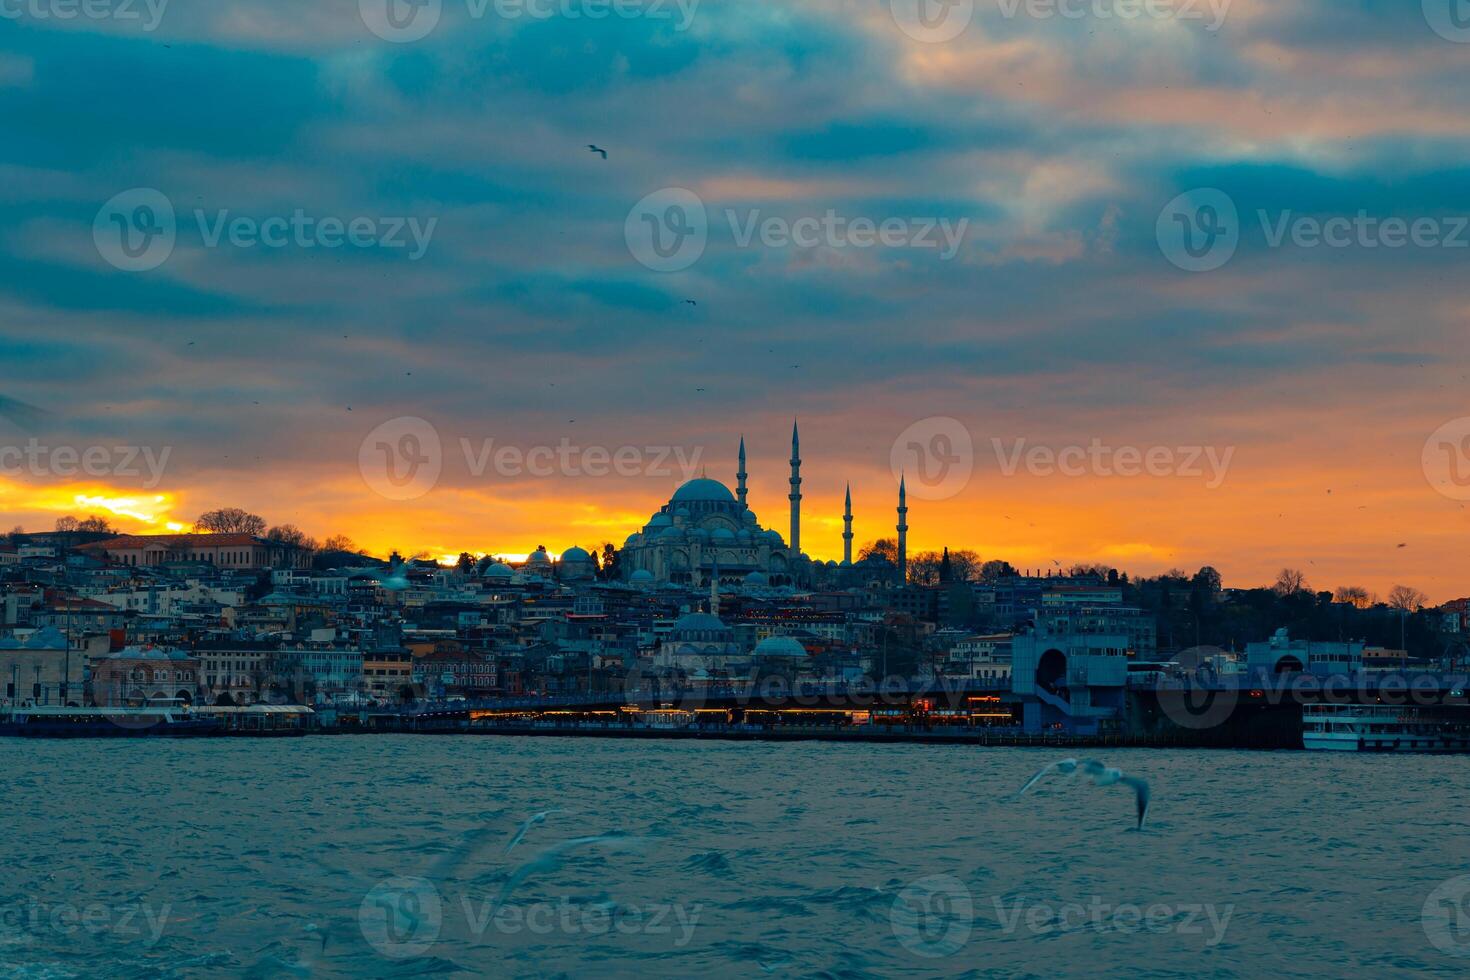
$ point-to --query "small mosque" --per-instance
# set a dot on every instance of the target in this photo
(705, 531)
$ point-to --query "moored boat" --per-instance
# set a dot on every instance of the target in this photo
(170, 719)
(1386, 728)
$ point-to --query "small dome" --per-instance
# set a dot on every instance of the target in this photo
(682, 512)
(500, 570)
(749, 518)
(757, 579)
(641, 577)
(779, 646)
(660, 520)
(775, 539)
(575, 553)
(537, 558)
(722, 534)
(698, 621)
(672, 532)
(703, 490)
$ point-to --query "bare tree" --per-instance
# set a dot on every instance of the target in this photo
(339, 542)
(291, 534)
(95, 524)
(882, 548)
(67, 524)
(1353, 595)
(231, 520)
(1290, 582)
(1406, 598)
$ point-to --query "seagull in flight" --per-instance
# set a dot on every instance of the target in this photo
(527, 824)
(1100, 775)
(554, 856)
(597, 149)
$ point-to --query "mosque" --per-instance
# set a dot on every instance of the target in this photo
(706, 531)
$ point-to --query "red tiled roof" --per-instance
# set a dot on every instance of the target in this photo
(130, 542)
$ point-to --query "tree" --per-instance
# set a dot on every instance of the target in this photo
(291, 534)
(66, 525)
(230, 520)
(1353, 595)
(611, 563)
(884, 548)
(339, 542)
(965, 565)
(1406, 598)
(1290, 582)
(95, 525)
(993, 571)
(466, 562)
(1207, 580)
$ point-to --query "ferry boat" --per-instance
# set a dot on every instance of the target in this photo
(1386, 728)
(166, 719)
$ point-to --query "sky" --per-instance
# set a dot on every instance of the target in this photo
(1157, 285)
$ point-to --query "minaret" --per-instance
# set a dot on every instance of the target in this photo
(847, 529)
(714, 591)
(740, 476)
(903, 533)
(795, 495)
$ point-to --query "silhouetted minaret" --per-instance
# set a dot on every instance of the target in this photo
(714, 591)
(847, 528)
(795, 495)
(903, 533)
(740, 476)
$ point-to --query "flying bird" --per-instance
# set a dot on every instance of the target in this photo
(597, 149)
(1100, 775)
(553, 857)
(526, 825)
(691, 302)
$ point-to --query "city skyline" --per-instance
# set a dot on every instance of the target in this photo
(877, 227)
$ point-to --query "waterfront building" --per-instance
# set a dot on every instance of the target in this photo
(39, 668)
(234, 551)
(1281, 654)
(136, 675)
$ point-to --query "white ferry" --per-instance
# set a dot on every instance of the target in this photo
(1386, 728)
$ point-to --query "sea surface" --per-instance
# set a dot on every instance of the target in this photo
(387, 856)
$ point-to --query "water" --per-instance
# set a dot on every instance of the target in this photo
(236, 857)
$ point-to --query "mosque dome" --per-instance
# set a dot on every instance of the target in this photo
(703, 490)
(682, 512)
(500, 570)
(672, 532)
(641, 577)
(698, 621)
(779, 646)
(538, 559)
(722, 534)
(757, 579)
(575, 553)
(660, 520)
(774, 537)
(749, 517)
